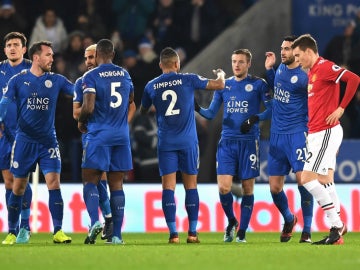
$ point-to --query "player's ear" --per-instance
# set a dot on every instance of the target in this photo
(177, 65)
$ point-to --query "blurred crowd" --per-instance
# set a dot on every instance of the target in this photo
(138, 28)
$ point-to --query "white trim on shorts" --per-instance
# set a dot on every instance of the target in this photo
(322, 149)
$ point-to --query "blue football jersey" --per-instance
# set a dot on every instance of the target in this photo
(112, 86)
(36, 99)
(290, 110)
(78, 92)
(6, 72)
(172, 94)
(241, 99)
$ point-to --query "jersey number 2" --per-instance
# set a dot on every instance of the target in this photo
(173, 98)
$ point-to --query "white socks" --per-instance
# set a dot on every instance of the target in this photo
(330, 187)
(322, 196)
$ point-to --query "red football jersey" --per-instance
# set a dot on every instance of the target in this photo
(323, 93)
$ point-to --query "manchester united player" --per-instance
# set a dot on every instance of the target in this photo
(325, 131)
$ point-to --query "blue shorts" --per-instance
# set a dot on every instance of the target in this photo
(26, 155)
(5, 154)
(286, 151)
(115, 158)
(238, 157)
(184, 160)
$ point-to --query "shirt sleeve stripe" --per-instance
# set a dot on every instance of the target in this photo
(89, 90)
(339, 77)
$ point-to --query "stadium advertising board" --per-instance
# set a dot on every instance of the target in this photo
(322, 18)
(143, 211)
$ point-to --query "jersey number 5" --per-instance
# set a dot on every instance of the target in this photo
(115, 94)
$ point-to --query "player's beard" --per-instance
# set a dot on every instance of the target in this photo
(46, 68)
(289, 61)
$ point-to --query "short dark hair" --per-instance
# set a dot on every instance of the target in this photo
(13, 35)
(245, 52)
(304, 42)
(290, 38)
(105, 47)
(168, 55)
(36, 47)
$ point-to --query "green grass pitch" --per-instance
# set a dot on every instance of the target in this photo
(151, 251)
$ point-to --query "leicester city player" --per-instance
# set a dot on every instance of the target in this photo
(104, 201)
(287, 149)
(172, 95)
(15, 48)
(108, 99)
(238, 148)
(36, 91)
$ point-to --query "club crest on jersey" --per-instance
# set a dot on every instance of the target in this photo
(48, 83)
(294, 79)
(335, 68)
(249, 87)
(313, 78)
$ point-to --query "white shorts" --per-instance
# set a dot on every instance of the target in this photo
(322, 149)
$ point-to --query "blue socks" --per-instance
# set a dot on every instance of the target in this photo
(281, 202)
(117, 202)
(14, 209)
(247, 206)
(7, 196)
(169, 209)
(192, 208)
(307, 204)
(91, 199)
(56, 207)
(227, 201)
(25, 211)
(25, 206)
(104, 201)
